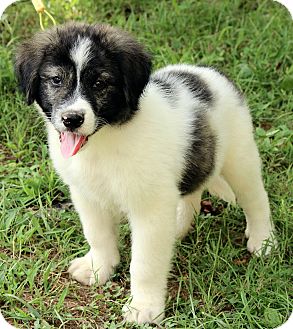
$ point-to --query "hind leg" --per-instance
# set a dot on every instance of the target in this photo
(242, 170)
(187, 207)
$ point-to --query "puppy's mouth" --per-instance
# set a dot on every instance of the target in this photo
(71, 143)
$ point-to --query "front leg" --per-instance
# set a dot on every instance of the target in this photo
(153, 236)
(100, 231)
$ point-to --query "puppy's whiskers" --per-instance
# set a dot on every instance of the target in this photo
(102, 122)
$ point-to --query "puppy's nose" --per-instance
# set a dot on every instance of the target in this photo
(72, 120)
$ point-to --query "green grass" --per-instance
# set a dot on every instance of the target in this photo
(214, 283)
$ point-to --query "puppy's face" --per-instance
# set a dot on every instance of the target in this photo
(83, 77)
(81, 89)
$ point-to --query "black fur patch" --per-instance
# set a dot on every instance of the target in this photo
(200, 159)
(198, 87)
(165, 86)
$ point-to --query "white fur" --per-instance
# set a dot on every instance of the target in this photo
(80, 53)
(219, 187)
(76, 105)
(132, 170)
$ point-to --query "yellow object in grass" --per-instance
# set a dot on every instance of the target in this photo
(39, 6)
(40, 9)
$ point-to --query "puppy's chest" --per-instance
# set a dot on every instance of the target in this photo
(108, 179)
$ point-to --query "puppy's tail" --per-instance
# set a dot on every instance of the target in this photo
(220, 188)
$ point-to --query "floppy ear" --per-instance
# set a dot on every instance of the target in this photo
(26, 65)
(136, 66)
(134, 61)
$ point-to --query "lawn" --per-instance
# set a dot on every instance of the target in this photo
(214, 282)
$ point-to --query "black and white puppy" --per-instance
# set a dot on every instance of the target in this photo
(128, 142)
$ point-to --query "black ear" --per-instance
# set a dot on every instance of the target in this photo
(26, 65)
(136, 69)
(134, 61)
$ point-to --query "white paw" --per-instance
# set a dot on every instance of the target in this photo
(261, 244)
(143, 312)
(88, 270)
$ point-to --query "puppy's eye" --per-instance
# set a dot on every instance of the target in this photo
(99, 85)
(56, 81)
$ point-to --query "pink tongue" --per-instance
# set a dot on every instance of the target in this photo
(71, 143)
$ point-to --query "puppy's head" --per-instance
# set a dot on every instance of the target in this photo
(82, 77)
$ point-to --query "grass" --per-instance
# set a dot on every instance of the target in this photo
(214, 282)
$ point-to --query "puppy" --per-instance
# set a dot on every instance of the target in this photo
(128, 142)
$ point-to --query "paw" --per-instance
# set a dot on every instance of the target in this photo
(89, 270)
(143, 312)
(261, 244)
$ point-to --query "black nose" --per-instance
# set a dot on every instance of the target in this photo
(72, 120)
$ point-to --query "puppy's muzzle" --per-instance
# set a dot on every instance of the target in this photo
(72, 121)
